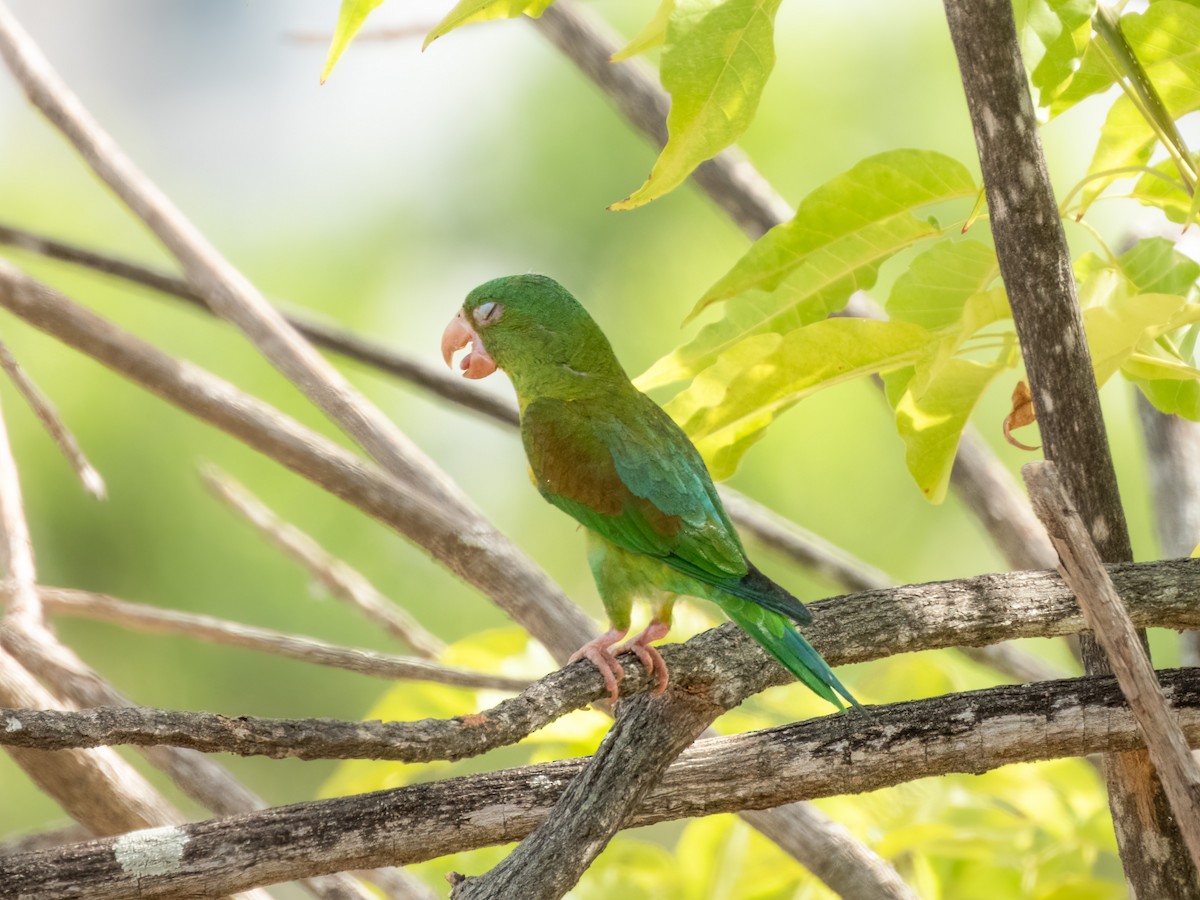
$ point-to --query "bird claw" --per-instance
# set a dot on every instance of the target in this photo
(599, 652)
(650, 657)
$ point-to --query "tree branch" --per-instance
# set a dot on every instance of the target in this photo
(1036, 267)
(338, 577)
(970, 733)
(154, 620)
(1082, 569)
(850, 629)
(44, 409)
(468, 547)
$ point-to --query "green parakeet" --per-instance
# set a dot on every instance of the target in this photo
(607, 455)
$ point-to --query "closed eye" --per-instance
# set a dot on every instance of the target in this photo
(487, 313)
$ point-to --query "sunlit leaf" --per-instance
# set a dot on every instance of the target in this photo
(933, 410)
(652, 35)
(1093, 76)
(939, 281)
(350, 19)
(841, 234)
(1166, 39)
(715, 63)
(1163, 190)
(1115, 328)
(1154, 266)
(727, 406)
(1064, 29)
(466, 12)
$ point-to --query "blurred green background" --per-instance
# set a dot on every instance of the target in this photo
(379, 200)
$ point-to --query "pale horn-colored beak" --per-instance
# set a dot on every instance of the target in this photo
(459, 333)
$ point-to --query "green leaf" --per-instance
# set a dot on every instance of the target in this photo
(1166, 39)
(840, 236)
(350, 19)
(1169, 384)
(1161, 188)
(939, 282)
(934, 408)
(1064, 28)
(1117, 326)
(652, 35)
(1154, 266)
(727, 406)
(467, 11)
(1093, 76)
(715, 64)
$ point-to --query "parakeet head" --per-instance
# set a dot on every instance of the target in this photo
(531, 327)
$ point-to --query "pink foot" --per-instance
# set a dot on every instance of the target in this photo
(650, 657)
(599, 651)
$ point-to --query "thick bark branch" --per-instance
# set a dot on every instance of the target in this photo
(969, 733)
(850, 629)
(1082, 569)
(1035, 264)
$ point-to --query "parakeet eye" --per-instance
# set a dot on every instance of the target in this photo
(487, 313)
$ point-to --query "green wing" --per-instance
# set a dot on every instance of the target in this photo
(637, 482)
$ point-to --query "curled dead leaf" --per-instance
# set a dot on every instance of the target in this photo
(1022, 414)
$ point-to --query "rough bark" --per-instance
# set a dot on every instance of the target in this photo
(1036, 267)
(843, 754)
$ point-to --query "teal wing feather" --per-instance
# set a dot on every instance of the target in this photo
(637, 481)
(789, 647)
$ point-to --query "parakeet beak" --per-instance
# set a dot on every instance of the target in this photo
(459, 333)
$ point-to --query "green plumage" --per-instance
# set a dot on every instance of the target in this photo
(607, 455)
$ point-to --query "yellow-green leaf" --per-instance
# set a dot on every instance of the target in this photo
(652, 35)
(1166, 39)
(727, 406)
(350, 19)
(938, 283)
(1064, 28)
(715, 64)
(933, 410)
(467, 11)
(840, 236)
(1116, 327)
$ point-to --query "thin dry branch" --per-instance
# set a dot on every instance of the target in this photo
(1082, 569)
(338, 577)
(850, 629)
(468, 547)
(222, 286)
(154, 620)
(968, 733)
(18, 575)
(341, 341)
(44, 409)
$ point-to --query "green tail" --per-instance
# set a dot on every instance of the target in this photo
(788, 646)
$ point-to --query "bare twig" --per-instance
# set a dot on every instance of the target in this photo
(339, 579)
(44, 409)
(222, 286)
(345, 343)
(835, 755)
(1082, 569)
(467, 546)
(154, 620)
(18, 576)
(850, 629)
